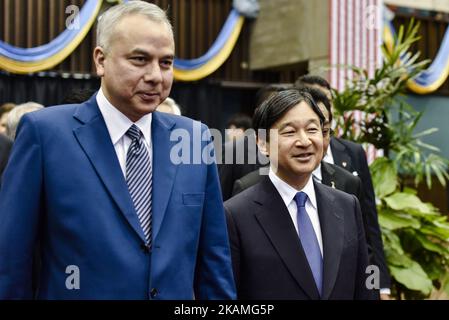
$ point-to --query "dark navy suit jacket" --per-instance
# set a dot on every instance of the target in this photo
(268, 259)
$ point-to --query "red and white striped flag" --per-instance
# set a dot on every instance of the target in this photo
(355, 39)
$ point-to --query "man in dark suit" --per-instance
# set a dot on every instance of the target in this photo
(5, 147)
(117, 215)
(351, 157)
(326, 173)
(293, 238)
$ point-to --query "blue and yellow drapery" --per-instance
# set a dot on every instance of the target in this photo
(435, 75)
(29, 60)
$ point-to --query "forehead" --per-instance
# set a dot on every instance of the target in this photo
(140, 30)
(300, 114)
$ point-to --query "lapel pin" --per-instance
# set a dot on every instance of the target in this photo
(333, 184)
(344, 164)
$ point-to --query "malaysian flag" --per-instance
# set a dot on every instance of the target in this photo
(355, 39)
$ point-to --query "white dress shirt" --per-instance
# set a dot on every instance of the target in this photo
(118, 124)
(317, 173)
(288, 193)
(328, 157)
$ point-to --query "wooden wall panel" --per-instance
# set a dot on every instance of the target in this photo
(29, 23)
(196, 23)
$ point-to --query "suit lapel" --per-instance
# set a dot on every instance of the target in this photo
(164, 170)
(275, 220)
(327, 175)
(95, 141)
(332, 232)
(340, 154)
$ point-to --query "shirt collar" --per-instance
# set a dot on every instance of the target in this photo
(117, 123)
(317, 173)
(288, 193)
(328, 157)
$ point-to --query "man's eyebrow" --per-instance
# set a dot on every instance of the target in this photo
(284, 125)
(313, 121)
(146, 54)
(292, 123)
(140, 51)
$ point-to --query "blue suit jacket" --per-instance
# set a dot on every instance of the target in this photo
(63, 188)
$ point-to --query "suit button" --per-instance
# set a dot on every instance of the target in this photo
(145, 248)
(153, 293)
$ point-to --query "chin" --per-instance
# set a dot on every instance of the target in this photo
(304, 169)
(145, 109)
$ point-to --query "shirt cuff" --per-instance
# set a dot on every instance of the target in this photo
(385, 291)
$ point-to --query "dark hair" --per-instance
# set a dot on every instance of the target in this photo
(78, 96)
(319, 96)
(309, 80)
(265, 92)
(240, 120)
(278, 104)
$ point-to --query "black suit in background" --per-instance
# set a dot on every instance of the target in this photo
(351, 156)
(229, 173)
(268, 259)
(5, 148)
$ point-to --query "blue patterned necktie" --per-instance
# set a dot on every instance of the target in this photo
(138, 178)
(309, 240)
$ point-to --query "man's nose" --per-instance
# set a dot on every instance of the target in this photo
(303, 139)
(153, 73)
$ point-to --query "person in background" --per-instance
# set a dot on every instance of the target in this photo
(4, 110)
(16, 114)
(351, 157)
(291, 237)
(169, 106)
(97, 185)
(235, 165)
(237, 125)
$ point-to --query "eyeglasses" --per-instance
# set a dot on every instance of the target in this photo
(328, 132)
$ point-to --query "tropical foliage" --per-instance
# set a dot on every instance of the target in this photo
(415, 234)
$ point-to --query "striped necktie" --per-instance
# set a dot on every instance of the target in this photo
(309, 240)
(138, 178)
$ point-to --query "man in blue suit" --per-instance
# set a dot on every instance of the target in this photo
(93, 190)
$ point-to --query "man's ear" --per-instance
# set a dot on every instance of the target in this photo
(99, 57)
(263, 146)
